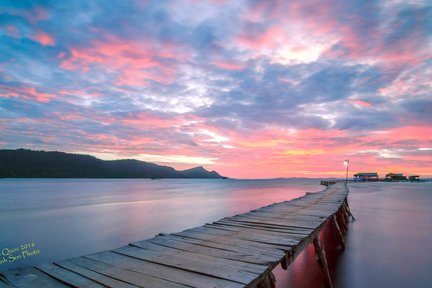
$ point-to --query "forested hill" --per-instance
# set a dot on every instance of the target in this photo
(22, 163)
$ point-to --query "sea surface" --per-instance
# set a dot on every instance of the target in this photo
(73, 217)
(387, 246)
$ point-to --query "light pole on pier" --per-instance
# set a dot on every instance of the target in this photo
(346, 163)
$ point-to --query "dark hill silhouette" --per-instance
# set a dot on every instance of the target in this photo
(23, 163)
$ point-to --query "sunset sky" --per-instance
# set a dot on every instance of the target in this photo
(251, 89)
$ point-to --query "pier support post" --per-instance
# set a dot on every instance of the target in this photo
(348, 210)
(269, 281)
(284, 263)
(343, 222)
(289, 258)
(339, 232)
(345, 213)
(322, 260)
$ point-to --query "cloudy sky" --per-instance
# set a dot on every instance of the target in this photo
(250, 88)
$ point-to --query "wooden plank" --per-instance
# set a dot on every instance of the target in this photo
(261, 259)
(30, 277)
(4, 284)
(163, 250)
(226, 246)
(259, 230)
(257, 235)
(291, 233)
(245, 235)
(219, 235)
(97, 277)
(128, 276)
(286, 216)
(230, 241)
(296, 224)
(284, 222)
(221, 231)
(300, 217)
(162, 271)
(68, 277)
(190, 264)
(283, 218)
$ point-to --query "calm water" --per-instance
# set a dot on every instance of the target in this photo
(74, 217)
(388, 245)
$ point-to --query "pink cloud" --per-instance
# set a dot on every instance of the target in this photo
(256, 12)
(229, 65)
(12, 31)
(155, 120)
(417, 133)
(315, 152)
(36, 14)
(135, 63)
(26, 93)
(44, 39)
(318, 23)
(267, 39)
(219, 1)
(61, 55)
(360, 102)
(70, 116)
(79, 93)
(33, 15)
(145, 119)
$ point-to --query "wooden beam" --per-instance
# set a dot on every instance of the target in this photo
(339, 232)
(269, 281)
(348, 209)
(322, 260)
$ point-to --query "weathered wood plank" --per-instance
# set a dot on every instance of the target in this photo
(226, 246)
(164, 250)
(282, 216)
(162, 271)
(97, 277)
(128, 276)
(269, 224)
(4, 284)
(259, 226)
(295, 224)
(261, 259)
(286, 216)
(257, 236)
(190, 264)
(218, 235)
(291, 233)
(68, 277)
(30, 277)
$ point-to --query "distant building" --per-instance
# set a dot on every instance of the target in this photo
(369, 176)
(395, 177)
(414, 178)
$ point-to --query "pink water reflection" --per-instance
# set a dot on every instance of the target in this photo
(90, 215)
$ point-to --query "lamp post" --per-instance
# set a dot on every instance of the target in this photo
(346, 163)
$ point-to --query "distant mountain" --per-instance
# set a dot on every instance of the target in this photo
(199, 172)
(23, 163)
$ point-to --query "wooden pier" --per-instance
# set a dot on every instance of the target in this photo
(238, 251)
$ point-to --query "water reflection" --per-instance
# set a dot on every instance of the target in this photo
(72, 217)
(387, 246)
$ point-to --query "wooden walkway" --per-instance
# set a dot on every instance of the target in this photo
(238, 251)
